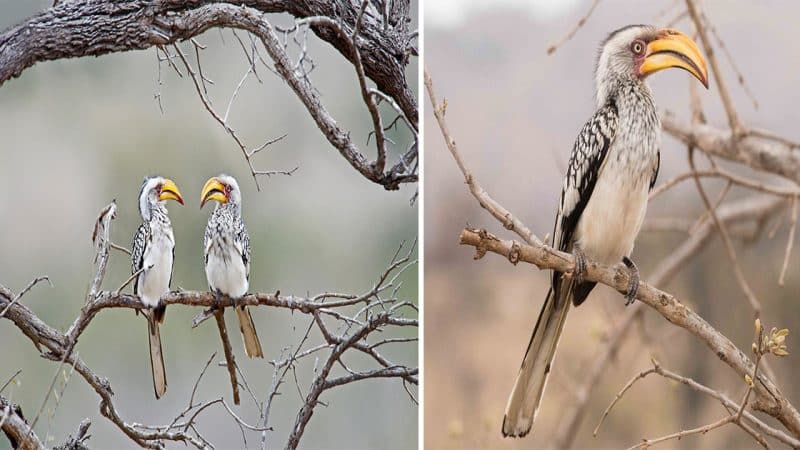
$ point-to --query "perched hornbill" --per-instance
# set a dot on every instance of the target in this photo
(226, 247)
(153, 254)
(613, 166)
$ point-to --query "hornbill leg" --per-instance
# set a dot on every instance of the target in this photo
(218, 300)
(633, 283)
(580, 263)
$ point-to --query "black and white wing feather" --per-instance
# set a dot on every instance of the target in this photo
(207, 238)
(585, 165)
(654, 177)
(140, 241)
(243, 242)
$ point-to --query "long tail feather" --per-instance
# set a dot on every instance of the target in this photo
(156, 356)
(230, 361)
(252, 346)
(523, 404)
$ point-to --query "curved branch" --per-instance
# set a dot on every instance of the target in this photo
(755, 208)
(59, 346)
(769, 398)
(91, 28)
(379, 305)
(380, 50)
(768, 155)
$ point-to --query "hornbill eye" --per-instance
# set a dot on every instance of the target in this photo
(637, 47)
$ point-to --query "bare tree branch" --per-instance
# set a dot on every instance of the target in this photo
(769, 398)
(378, 49)
(552, 48)
(744, 210)
(733, 117)
(16, 428)
(380, 305)
(754, 151)
(88, 28)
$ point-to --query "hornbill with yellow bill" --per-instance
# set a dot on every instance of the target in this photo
(613, 166)
(152, 257)
(226, 247)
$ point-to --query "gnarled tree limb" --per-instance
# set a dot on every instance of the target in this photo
(769, 398)
(80, 28)
(378, 43)
(354, 319)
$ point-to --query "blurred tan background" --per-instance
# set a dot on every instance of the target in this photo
(515, 112)
(78, 133)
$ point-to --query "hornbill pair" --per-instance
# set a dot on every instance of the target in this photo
(613, 166)
(227, 263)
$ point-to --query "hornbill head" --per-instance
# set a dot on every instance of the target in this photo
(223, 189)
(636, 51)
(156, 190)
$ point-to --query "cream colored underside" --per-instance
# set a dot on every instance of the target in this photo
(611, 221)
(154, 282)
(227, 275)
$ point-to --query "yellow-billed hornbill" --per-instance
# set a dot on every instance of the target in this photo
(613, 166)
(226, 247)
(153, 253)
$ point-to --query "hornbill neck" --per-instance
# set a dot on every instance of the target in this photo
(229, 207)
(616, 89)
(156, 212)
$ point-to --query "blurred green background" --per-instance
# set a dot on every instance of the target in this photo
(515, 112)
(78, 133)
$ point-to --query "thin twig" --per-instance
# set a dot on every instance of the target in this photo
(509, 221)
(726, 239)
(25, 291)
(727, 103)
(789, 242)
(132, 277)
(574, 30)
(5, 385)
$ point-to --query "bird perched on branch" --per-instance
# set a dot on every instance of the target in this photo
(152, 259)
(227, 261)
(613, 166)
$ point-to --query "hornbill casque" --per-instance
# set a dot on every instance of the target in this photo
(613, 166)
(153, 253)
(226, 247)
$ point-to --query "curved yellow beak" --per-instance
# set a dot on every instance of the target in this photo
(674, 49)
(169, 191)
(213, 190)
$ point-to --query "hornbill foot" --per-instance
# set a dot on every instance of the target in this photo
(633, 281)
(217, 300)
(580, 264)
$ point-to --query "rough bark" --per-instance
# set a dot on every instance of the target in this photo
(81, 28)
